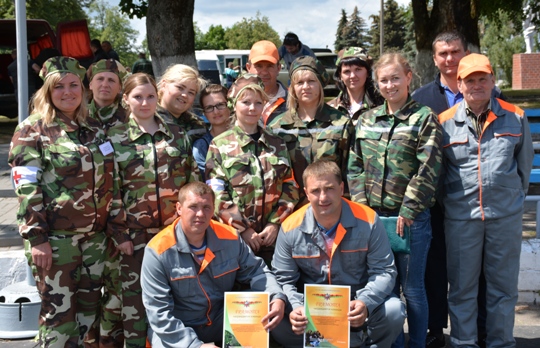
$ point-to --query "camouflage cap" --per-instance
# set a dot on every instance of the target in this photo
(311, 64)
(357, 52)
(240, 84)
(107, 65)
(61, 65)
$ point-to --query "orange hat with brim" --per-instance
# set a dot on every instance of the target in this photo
(472, 63)
(263, 51)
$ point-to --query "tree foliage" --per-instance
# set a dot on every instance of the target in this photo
(53, 11)
(243, 34)
(501, 40)
(108, 23)
(355, 32)
(340, 42)
(134, 8)
(395, 29)
(213, 39)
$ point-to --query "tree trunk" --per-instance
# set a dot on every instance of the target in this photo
(171, 38)
(445, 15)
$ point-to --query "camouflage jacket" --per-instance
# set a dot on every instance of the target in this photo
(326, 137)
(367, 103)
(64, 176)
(395, 160)
(152, 169)
(189, 123)
(109, 116)
(252, 180)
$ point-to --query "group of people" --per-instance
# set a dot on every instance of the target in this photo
(128, 190)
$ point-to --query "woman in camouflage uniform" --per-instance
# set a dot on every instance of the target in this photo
(250, 171)
(394, 167)
(155, 161)
(353, 78)
(63, 172)
(106, 78)
(176, 91)
(105, 93)
(311, 129)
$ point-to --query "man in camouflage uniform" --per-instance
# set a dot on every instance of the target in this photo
(63, 172)
(327, 136)
(252, 178)
(152, 169)
(106, 80)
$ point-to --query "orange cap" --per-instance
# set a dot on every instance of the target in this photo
(472, 63)
(263, 51)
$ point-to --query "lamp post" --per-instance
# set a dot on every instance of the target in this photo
(381, 28)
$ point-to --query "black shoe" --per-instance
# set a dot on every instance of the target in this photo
(433, 341)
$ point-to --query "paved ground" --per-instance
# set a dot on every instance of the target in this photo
(527, 326)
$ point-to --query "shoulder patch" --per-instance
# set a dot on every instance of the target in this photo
(295, 219)
(224, 231)
(511, 107)
(164, 240)
(361, 211)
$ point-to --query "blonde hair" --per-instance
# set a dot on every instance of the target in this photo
(42, 101)
(180, 73)
(133, 81)
(258, 90)
(292, 99)
(391, 59)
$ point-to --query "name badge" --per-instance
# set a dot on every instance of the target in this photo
(106, 148)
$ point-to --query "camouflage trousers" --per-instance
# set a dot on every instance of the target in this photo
(133, 312)
(107, 330)
(71, 290)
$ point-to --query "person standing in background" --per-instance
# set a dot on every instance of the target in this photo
(292, 48)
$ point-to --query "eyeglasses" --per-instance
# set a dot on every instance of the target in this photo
(210, 108)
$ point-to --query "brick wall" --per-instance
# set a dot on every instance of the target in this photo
(526, 71)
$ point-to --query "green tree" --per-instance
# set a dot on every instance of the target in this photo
(355, 32)
(199, 37)
(339, 43)
(243, 34)
(214, 39)
(108, 23)
(501, 40)
(395, 29)
(53, 11)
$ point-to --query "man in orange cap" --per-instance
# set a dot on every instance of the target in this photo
(487, 161)
(264, 61)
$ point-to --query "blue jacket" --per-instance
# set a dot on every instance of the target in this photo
(433, 96)
(486, 176)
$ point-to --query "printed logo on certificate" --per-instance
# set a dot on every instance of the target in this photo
(326, 308)
(242, 326)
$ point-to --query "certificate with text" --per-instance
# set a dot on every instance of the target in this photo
(242, 326)
(326, 308)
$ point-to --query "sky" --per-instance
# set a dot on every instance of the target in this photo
(314, 21)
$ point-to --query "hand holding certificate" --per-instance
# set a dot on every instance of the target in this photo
(327, 311)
